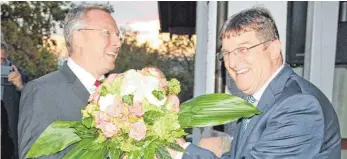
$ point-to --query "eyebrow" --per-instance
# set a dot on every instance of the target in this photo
(245, 42)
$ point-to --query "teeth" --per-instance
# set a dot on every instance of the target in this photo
(111, 53)
(242, 71)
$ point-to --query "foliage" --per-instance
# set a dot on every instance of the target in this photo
(24, 26)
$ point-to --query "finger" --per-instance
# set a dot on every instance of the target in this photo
(12, 75)
(14, 68)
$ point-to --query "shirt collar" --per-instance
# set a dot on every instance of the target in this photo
(86, 78)
(257, 95)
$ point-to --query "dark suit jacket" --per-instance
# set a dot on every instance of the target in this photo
(10, 101)
(56, 96)
(297, 122)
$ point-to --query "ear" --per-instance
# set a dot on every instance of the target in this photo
(275, 49)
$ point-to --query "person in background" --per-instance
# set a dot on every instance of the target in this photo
(11, 86)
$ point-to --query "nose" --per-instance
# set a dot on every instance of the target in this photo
(116, 41)
(233, 61)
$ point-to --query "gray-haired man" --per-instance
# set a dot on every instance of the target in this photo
(93, 42)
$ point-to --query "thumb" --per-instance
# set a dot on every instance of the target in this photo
(14, 68)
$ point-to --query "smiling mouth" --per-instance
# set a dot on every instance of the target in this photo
(111, 53)
(242, 71)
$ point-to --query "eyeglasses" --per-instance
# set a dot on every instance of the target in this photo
(108, 33)
(243, 51)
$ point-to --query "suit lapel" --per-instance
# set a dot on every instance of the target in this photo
(236, 137)
(75, 83)
(266, 101)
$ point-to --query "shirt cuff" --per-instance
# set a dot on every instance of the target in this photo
(179, 155)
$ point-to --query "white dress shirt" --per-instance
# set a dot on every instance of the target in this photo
(257, 95)
(86, 78)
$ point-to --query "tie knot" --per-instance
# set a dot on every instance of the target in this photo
(97, 83)
(250, 99)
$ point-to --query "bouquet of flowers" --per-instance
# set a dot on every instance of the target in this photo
(137, 114)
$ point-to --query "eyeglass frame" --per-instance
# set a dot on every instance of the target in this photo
(118, 35)
(220, 55)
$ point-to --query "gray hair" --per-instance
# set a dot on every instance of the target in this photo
(74, 19)
(256, 19)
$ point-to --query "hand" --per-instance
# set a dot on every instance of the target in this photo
(15, 78)
(214, 144)
(174, 153)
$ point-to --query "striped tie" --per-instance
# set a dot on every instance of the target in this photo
(252, 100)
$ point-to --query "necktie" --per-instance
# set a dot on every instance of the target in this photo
(97, 83)
(252, 100)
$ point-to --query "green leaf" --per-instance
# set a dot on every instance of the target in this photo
(176, 147)
(79, 149)
(128, 99)
(84, 132)
(55, 138)
(87, 122)
(95, 145)
(151, 116)
(214, 109)
(115, 153)
(103, 91)
(150, 151)
(134, 155)
(162, 153)
(159, 94)
(101, 153)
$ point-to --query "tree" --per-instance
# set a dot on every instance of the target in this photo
(24, 26)
(175, 58)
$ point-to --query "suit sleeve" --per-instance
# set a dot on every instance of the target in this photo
(295, 130)
(195, 152)
(32, 116)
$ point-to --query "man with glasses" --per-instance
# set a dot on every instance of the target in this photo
(93, 41)
(298, 121)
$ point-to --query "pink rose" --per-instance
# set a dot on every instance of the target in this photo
(117, 108)
(175, 101)
(137, 109)
(111, 77)
(94, 98)
(163, 84)
(108, 129)
(155, 72)
(137, 130)
(101, 117)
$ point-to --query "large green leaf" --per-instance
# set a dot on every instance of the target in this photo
(115, 153)
(81, 151)
(214, 109)
(175, 147)
(162, 153)
(150, 151)
(55, 138)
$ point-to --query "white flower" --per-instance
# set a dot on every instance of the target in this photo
(153, 100)
(106, 101)
(141, 87)
(129, 84)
